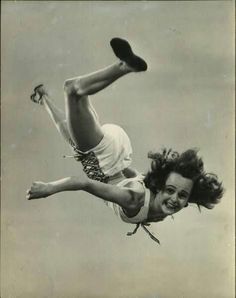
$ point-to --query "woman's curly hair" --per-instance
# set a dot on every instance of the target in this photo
(207, 190)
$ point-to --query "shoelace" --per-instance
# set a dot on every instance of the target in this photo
(143, 225)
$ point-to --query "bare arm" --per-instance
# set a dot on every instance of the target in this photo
(130, 198)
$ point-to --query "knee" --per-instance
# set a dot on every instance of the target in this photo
(73, 87)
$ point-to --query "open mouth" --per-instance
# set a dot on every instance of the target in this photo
(171, 205)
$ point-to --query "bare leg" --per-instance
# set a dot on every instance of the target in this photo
(94, 82)
(58, 117)
(83, 126)
(80, 125)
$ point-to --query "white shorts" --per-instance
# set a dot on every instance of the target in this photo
(114, 151)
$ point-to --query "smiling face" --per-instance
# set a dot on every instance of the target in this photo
(175, 194)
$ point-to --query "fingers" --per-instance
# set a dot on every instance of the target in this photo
(31, 196)
(28, 194)
(35, 191)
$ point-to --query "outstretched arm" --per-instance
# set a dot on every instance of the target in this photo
(130, 198)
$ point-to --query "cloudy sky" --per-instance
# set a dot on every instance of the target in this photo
(71, 245)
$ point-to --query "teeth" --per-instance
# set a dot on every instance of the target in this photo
(170, 205)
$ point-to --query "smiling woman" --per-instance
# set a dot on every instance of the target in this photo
(183, 175)
(105, 153)
(176, 193)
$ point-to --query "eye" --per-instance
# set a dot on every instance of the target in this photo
(169, 191)
(183, 196)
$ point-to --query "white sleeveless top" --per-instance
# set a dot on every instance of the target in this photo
(143, 212)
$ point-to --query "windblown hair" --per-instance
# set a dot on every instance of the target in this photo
(207, 190)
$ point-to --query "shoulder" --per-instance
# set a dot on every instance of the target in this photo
(137, 198)
(136, 187)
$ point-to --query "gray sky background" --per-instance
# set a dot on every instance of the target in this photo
(72, 245)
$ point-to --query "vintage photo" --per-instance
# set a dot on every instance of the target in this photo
(117, 149)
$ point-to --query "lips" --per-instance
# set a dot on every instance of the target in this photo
(171, 205)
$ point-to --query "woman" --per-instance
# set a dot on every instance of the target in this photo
(105, 153)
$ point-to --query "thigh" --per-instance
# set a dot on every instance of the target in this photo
(83, 124)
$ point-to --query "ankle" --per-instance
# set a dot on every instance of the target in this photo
(124, 67)
(44, 99)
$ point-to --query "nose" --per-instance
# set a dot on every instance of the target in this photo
(174, 198)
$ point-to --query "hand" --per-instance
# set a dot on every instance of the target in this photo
(38, 190)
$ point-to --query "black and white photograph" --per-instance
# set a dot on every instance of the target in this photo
(117, 149)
